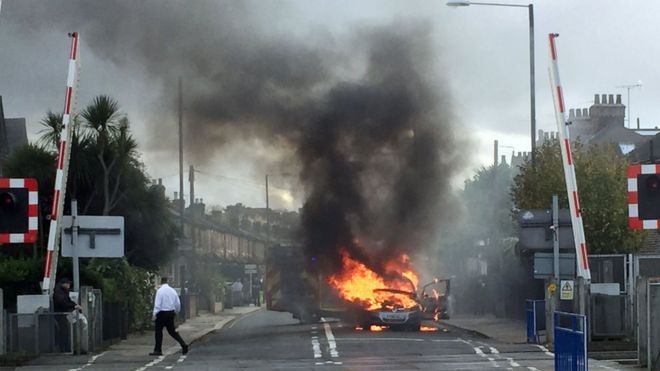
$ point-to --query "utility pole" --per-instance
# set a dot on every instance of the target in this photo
(495, 153)
(181, 201)
(267, 214)
(191, 179)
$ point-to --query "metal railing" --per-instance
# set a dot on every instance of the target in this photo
(570, 344)
(115, 320)
(38, 333)
(535, 314)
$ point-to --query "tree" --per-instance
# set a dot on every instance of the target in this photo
(601, 177)
(108, 130)
(106, 176)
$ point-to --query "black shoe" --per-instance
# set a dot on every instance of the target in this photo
(156, 353)
(184, 350)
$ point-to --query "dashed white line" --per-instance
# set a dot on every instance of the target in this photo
(494, 350)
(152, 363)
(90, 362)
(532, 368)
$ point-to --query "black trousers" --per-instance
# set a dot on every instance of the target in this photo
(166, 319)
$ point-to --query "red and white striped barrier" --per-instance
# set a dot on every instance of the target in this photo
(33, 210)
(569, 166)
(62, 170)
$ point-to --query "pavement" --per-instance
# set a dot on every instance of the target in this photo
(133, 353)
(513, 332)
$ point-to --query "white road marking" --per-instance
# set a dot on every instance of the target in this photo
(152, 363)
(494, 350)
(331, 341)
(531, 368)
(479, 351)
(545, 350)
(512, 362)
(91, 361)
(316, 347)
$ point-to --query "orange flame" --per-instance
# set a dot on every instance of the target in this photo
(376, 328)
(360, 285)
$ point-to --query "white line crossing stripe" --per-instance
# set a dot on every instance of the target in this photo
(331, 341)
(316, 347)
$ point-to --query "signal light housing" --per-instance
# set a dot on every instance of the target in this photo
(19, 210)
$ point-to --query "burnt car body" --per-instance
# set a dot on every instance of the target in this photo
(394, 316)
(436, 304)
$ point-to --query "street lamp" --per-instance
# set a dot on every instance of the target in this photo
(530, 7)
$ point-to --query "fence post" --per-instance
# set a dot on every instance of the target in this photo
(3, 334)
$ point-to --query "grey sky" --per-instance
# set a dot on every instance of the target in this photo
(481, 53)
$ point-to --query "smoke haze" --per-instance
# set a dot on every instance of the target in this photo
(359, 116)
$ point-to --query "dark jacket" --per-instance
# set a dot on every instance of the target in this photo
(61, 300)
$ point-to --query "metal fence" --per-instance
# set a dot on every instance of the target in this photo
(570, 342)
(535, 313)
(115, 320)
(608, 316)
(37, 333)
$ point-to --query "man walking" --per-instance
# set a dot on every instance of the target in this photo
(166, 306)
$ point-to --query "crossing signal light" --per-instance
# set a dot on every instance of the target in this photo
(7, 201)
(18, 210)
(653, 185)
(648, 196)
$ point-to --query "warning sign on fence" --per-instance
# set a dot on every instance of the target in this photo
(567, 288)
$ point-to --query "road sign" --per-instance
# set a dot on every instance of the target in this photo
(250, 268)
(544, 265)
(536, 229)
(98, 236)
(567, 289)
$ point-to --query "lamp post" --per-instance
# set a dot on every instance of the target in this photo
(530, 8)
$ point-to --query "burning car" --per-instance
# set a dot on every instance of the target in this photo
(435, 299)
(399, 310)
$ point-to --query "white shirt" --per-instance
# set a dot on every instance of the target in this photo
(166, 300)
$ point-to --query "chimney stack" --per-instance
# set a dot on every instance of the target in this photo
(596, 99)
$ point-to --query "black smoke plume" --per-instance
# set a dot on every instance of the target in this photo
(363, 113)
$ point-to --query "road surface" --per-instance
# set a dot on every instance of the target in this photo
(274, 341)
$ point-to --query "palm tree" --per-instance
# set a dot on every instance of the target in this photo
(52, 129)
(107, 128)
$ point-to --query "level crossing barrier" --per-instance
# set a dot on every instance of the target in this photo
(535, 314)
(570, 342)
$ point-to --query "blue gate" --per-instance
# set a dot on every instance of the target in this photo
(535, 313)
(570, 342)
